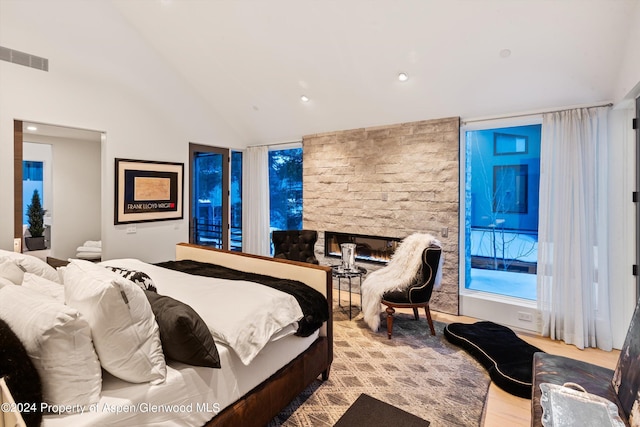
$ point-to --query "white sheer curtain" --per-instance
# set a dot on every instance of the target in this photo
(255, 201)
(573, 289)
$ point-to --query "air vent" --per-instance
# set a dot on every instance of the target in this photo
(21, 58)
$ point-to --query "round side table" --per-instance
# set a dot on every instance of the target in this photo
(339, 272)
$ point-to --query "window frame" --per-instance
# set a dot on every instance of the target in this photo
(478, 304)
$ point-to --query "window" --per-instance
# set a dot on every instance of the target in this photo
(285, 189)
(209, 201)
(501, 210)
(236, 201)
(32, 179)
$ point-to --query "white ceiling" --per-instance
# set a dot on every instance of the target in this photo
(249, 61)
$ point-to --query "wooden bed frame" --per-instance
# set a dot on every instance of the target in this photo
(266, 400)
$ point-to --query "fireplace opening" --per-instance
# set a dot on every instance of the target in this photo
(376, 249)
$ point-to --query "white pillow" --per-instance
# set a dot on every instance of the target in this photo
(58, 341)
(60, 272)
(125, 332)
(5, 282)
(32, 264)
(44, 286)
(9, 270)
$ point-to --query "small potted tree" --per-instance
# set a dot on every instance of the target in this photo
(36, 224)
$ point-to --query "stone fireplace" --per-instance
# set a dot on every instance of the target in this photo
(387, 181)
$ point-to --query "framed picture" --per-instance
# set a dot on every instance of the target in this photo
(148, 191)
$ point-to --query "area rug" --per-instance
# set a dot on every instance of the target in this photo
(422, 374)
(371, 412)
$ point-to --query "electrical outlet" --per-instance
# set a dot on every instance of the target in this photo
(524, 316)
(17, 245)
(131, 229)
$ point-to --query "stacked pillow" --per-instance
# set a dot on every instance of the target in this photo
(125, 333)
(11, 271)
(98, 319)
(31, 264)
(44, 286)
(58, 341)
(102, 318)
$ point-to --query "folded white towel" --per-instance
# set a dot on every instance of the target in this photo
(93, 243)
(89, 255)
(89, 249)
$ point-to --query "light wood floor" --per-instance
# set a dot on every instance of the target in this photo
(502, 408)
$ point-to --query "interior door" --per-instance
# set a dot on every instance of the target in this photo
(209, 196)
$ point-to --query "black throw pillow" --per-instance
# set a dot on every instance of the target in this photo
(184, 335)
(20, 375)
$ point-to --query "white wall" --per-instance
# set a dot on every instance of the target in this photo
(628, 84)
(76, 212)
(622, 220)
(151, 118)
(623, 168)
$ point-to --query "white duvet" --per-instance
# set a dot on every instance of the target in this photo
(266, 315)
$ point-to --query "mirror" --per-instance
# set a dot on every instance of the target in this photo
(63, 165)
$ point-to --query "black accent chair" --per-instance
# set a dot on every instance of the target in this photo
(418, 294)
(295, 245)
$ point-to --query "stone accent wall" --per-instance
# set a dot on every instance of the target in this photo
(387, 181)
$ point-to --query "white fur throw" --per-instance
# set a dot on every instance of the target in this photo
(400, 272)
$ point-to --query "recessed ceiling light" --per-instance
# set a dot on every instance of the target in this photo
(304, 98)
(32, 128)
(505, 53)
(403, 77)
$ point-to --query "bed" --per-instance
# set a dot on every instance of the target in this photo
(249, 388)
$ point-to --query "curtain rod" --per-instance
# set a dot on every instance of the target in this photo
(277, 143)
(513, 116)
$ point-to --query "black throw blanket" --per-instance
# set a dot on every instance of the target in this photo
(313, 304)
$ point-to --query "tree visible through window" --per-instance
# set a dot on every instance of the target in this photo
(285, 189)
(236, 200)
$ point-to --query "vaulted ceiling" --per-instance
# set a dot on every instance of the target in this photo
(250, 61)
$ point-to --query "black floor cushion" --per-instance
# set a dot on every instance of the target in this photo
(507, 358)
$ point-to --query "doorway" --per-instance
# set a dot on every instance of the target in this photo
(209, 196)
(71, 184)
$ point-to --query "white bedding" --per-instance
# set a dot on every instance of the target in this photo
(246, 331)
(196, 394)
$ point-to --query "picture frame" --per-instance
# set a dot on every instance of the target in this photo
(147, 191)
